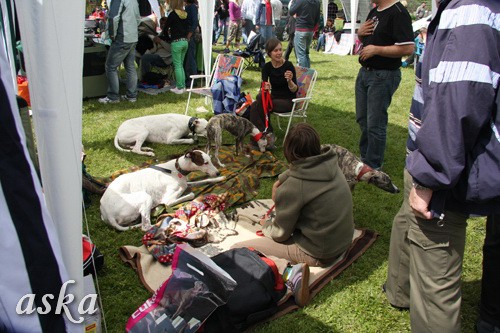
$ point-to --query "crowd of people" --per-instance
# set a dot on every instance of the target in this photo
(452, 164)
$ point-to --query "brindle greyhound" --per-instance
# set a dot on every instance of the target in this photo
(239, 127)
(356, 171)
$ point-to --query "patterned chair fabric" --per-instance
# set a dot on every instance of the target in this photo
(225, 65)
(306, 78)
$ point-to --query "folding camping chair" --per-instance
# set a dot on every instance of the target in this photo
(306, 78)
(224, 66)
(254, 59)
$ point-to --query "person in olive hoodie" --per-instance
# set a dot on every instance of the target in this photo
(314, 218)
(178, 27)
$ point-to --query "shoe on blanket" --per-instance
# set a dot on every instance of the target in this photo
(297, 279)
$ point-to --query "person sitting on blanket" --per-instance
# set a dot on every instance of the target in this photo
(278, 77)
(314, 222)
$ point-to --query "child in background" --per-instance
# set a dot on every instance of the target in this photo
(328, 29)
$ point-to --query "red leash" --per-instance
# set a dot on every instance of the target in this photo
(267, 103)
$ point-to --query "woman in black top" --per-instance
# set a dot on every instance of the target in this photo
(278, 77)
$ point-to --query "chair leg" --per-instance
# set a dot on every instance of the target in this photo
(288, 127)
(279, 123)
(187, 105)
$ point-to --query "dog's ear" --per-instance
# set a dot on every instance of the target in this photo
(196, 156)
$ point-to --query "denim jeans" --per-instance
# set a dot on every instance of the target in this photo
(374, 90)
(302, 42)
(121, 52)
(179, 50)
(223, 24)
(190, 66)
(148, 60)
(266, 32)
(321, 42)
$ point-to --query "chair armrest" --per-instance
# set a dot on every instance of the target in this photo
(199, 76)
(300, 99)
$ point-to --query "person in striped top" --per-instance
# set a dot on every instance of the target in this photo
(453, 169)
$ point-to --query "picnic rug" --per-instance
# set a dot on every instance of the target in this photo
(245, 222)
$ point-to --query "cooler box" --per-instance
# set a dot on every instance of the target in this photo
(95, 83)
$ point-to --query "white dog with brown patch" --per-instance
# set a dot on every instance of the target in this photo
(133, 195)
(169, 128)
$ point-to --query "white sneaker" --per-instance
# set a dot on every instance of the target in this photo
(130, 99)
(178, 91)
(106, 100)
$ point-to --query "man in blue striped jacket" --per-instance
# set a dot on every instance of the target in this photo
(455, 166)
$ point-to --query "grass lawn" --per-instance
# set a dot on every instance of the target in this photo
(353, 302)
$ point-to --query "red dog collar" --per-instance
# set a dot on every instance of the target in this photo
(363, 170)
(257, 137)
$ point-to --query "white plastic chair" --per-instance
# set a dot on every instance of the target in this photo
(225, 65)
(306, 78)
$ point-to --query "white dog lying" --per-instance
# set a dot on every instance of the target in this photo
(134, 194)
(170, 129)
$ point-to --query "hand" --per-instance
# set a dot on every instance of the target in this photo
(419, 202)
(275, 187)
(267, 86)
(288, 76)
(368, 51)
(366, 28)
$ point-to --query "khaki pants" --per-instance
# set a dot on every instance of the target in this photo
(427, 257)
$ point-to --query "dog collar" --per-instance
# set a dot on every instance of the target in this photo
(363, 170)
(178, 167)
(191, 124)
(257, 136)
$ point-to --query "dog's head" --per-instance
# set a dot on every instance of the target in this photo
(198, 126)
(381, 180)
(200, 161)
(261, 140)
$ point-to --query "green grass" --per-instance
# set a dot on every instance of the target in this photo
(353, 302)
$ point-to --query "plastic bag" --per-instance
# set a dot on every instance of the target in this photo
(195, 289)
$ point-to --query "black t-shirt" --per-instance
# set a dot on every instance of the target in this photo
(276, 76)
(177, 26)
(392, 27)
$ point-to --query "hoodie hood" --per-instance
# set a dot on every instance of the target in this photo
(181, 13)
(316, 168)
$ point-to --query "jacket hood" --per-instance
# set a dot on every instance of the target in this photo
(182, 14)
(316, 168)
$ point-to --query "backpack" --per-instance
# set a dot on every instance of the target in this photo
(256, 297)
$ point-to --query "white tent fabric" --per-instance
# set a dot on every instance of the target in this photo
(206, 13)
(53, 50)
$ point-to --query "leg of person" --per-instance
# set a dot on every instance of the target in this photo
(190, 62)
(436, 254)
(284, 255)
(178, 54)
(116, 54)
(148, 60)
(238, 35)
(308, 37)
(489, 311)
(299, 43)
(267, 32)
(129, 63)
(280, 106)
(397, 285)
(287, 250)
(321, 42)
(361, 95)
(225, 27)
(232, 34)
(382, 85)
(289, 48)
